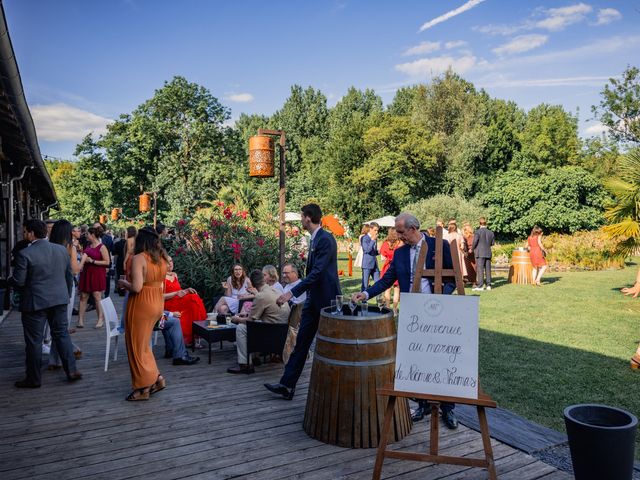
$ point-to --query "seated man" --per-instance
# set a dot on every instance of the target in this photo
(291, 277)
(264, 309)
(174, 341)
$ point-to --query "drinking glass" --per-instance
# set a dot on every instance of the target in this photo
(380, 301)
(364, 309)
(339, 303)
(334, 309)
(352, 306)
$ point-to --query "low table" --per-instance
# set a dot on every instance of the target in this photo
(215, 334)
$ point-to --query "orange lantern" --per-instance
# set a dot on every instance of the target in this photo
(261, 156)
(115, 213)
(145, 202)
(103, 219)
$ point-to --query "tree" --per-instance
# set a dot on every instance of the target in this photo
(619, 108)
(428, 210)
(623, 214)
(403, 101)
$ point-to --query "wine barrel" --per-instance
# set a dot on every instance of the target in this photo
(353, 357)
(521, 270)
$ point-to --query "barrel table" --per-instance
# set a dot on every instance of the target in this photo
(354, 356)
(521, 270)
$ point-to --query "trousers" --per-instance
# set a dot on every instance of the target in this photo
(306, 334)
(483, 267)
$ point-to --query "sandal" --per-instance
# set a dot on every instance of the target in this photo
(80, 325)
(635, 362)
(159, 385)
(138, 394)
(100, 324)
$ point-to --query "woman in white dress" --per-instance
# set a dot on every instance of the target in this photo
(237, 287)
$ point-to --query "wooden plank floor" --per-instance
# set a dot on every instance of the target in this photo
(207, 424)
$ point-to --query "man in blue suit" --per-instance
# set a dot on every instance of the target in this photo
(321, 286)
(402, 269)
(369, 244)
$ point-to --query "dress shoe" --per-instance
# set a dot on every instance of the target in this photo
(168, 354)
(26, 384)
(74, 377)
(279, 389)
(54, 367)
(450, 420)
(186, 360)
(242, 368)
(419, 413)
(257, 361)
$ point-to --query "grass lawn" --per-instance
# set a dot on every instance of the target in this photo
(568, 342)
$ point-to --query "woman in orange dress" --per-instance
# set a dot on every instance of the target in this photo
(144, 309)
(537, 254)
(387, 249)
(186, 301)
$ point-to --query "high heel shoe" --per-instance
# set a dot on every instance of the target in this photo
(100, 324)
(635, 362)
(138, 394)
(159, 385)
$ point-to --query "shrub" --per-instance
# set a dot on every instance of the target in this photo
(206, 247)
(430, 209)
(583, 251)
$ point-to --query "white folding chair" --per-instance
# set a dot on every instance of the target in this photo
(111, 325)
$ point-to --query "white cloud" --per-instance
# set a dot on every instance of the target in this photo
(443, 18)
(522, 43)
(455, 44)
(559, 18)
(607, 15)
(240, 97)
(422, 48)
(591, 81)
(595, 129)
(61, 122)
(436, 65)
(492, 29)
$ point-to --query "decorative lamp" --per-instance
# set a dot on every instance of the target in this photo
(103, 218)
(261, 156)
(145, 202)
(115, 213)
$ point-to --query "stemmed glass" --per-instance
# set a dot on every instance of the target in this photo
(352, 306)
(339, 304)
(380, 301)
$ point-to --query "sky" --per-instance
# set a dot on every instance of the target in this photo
(83, 63)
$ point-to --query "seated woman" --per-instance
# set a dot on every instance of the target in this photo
(186, 301)
(236, 288)
(271, 278)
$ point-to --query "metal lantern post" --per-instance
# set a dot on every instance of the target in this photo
(261, 160)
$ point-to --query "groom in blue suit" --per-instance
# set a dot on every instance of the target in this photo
(402, 269)
(321, 286)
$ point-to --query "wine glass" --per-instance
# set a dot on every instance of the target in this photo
(352, 306)
(380, 301)
(334, 309)
(339, 304)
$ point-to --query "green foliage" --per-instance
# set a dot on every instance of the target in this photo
(565, 199)
(619, 108)
(600, 156)
(205, 248)
(446, 207)
(582, 250)
(623, 214)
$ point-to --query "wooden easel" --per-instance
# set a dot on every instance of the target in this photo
(481, 402)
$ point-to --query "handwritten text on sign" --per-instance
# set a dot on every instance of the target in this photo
(437, 351)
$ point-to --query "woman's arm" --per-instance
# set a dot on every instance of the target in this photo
(227, 291)
(540, 243)
(105, 258)
(75, 265)
(138, 269)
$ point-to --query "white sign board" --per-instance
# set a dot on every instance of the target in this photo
(437, 350)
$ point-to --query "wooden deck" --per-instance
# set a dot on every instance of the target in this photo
(207, 424)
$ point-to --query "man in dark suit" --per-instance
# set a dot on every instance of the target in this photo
(43, 275)
(321, 285)
(402, 269)
(483, 239)
(369, 244)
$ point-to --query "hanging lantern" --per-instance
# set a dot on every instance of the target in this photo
(261, 155)
(115, 213)
(103, 218)
(145, 203)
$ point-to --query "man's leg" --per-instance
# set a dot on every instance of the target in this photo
(480, 264)
(376, 274)
(107, 290)
(366, 273)
(241, 343)
(172, 333)
(33, 327)
(487, 267)
(57, 318)
(307, 332)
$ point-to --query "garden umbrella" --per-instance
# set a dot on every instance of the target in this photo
(388, 221)
(291, 217)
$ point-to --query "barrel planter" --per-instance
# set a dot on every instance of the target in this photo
(354, 356)
(601, 440)
(521, 270)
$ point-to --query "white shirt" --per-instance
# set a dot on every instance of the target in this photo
(295, 300)
(278, 286)
(425, 284)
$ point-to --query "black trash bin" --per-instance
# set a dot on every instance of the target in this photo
(602, 441)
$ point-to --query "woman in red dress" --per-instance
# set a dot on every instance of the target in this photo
(186, 301)
(387, 249)
(537, 254)
(93, 277)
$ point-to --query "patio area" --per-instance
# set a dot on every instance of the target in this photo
(206, 424)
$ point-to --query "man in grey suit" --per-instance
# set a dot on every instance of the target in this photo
(483, 239)
(42, 273)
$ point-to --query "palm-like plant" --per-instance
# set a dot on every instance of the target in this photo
(623, 215)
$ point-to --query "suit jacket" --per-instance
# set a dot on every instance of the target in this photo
(321, 283)
(43, 275)
(369, 252)
(265, 309)
(400, 268)
(482, 241)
